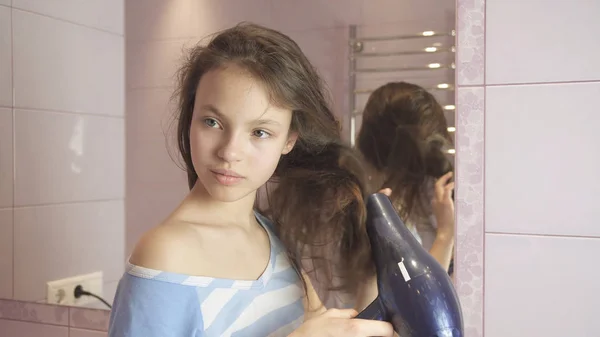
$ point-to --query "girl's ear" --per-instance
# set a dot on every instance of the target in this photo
(291, 141)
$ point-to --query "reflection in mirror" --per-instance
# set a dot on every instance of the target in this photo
(67, 156)
(401, 103)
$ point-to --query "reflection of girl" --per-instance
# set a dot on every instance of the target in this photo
(250, 106)
(404, 138)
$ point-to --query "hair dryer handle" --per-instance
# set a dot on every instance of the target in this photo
(373, 311)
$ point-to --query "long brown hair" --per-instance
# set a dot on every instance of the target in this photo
(404, 137)
(318, 198)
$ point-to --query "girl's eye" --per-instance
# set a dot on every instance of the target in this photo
(261, 134)
(211, 123)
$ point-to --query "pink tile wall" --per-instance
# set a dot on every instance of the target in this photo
(470, 140)
(27, 319)
(527, 167)
(61, 158)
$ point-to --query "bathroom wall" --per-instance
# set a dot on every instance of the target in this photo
(157, 32)
(528, 185)
(61, 145)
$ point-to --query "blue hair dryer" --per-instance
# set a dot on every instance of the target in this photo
(415, 293)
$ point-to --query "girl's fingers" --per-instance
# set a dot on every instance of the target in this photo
(386, 191)
(448, 191)
(441, 185)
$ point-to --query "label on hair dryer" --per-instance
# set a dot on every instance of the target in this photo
(403, 271)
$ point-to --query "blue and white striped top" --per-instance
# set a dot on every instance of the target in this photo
(152, 303)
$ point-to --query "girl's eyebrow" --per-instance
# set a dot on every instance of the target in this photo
(213, 109)
(266, 122)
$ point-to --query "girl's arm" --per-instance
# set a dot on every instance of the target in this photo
(442, 249)
(313, 306)
(443, 210)
(318, 321)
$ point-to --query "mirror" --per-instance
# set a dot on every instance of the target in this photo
(84, 108)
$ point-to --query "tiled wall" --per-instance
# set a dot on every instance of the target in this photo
(528, 163)
(23, 319)
(61, 145)
(158, 30)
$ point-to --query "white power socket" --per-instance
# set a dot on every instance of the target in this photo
(62, 291)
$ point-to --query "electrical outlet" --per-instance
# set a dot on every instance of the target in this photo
(61, 291)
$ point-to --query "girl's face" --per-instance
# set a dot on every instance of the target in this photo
(237, 136)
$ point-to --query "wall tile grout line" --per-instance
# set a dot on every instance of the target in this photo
(33, 322)
(70, 22)
(78, 113)
(14, 152)
(571, 236)
(483, 253)
(65, 203)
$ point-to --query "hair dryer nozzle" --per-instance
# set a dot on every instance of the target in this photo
(415, 293)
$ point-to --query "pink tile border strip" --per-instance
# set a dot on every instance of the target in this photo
(34, 312)
(470, 206)
(92, 319)
(470, 162)
(83, 318)
(470, 52)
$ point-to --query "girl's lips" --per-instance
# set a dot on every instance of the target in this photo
(226, 177)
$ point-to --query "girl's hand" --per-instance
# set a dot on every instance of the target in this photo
(336, 322)
(386, 191)
(443, 205)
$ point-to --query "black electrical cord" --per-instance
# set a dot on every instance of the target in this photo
(78, 292)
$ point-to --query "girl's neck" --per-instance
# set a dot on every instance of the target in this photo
(199, 207)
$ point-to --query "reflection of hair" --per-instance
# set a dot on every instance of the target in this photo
(404, 137)
(318, 196)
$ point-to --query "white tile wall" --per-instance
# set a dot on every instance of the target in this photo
(542, 41)
(102, 14)
(541, 168)
(5, 58)
(6, 158)
(66, 67)
(541, 286)
(542, 159)
(80, 237)
(64, 157)
(6, 250)
(68, 139)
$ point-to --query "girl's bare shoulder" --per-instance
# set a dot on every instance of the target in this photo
(168, 247)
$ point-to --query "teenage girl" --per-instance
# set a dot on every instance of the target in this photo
(250, 108)
(404, 140)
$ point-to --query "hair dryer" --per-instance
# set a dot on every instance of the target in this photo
(415, 293)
